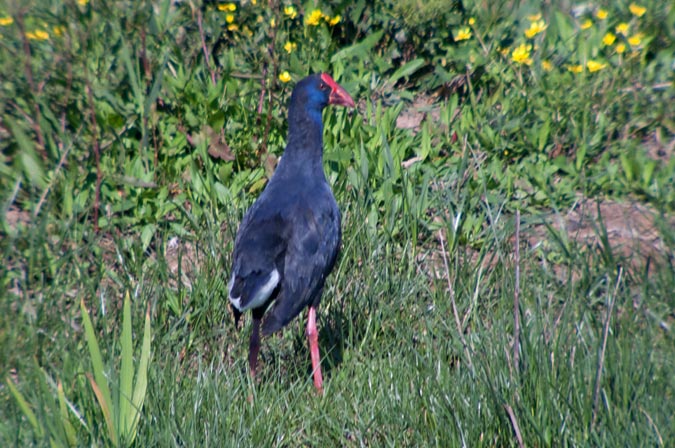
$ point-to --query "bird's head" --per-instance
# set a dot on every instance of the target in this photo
(319, 90)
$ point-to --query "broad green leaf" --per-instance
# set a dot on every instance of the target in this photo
(222, 193)
(99, 382)
(566, 29)
(364, 164)
(356, 9)
(157, 84)
(141, 377)
(627, 165)
(407, 70)
(353, 178)
(106, 406)
(29, 160)
(542, 136)
(425, 148)
(146, 235)
(647, 173)
(360, 49)
(258, 185)
(132, 72)
(581, 156)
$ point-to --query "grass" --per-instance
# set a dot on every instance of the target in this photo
(135, 137)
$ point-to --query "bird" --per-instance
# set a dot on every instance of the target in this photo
(289, 239)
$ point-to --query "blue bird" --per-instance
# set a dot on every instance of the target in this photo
(289, 239)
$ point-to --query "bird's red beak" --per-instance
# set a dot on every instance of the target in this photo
(338, 94)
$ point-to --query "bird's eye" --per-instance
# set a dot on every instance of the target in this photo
(323, 86)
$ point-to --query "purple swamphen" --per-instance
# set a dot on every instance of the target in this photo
(289, 239)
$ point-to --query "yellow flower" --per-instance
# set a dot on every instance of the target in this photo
(472, 21)
(535, 28)
(620, 48)
(547, 66)
(6, 21)
(37, 35)
(314, 18)
(637, 10)
(534, 17)
(59, 30)
(463, 34)
(586, 24)
(635, 40)
(334, 21)
(229, 18)
(575, 68)
(82, 2)
(601, 14)
(273, 22)
(290, 11)
(503, 51)
(284, 77)
(622, 28)
(227, 7)
(233, 27)
(608, 39)
(594, 66)
(521, 54)
(290, 46)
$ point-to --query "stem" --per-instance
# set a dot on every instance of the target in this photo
(603, 348)
(452, 301)
(204, 49)
(97, 153)
(31, 83)
(516, 299)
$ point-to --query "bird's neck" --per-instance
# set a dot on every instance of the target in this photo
(304, 149)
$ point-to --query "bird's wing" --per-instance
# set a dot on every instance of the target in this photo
(259, 250)
(311, 252)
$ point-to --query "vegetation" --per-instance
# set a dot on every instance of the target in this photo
(503, 157)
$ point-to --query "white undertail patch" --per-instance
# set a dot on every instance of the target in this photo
(261, 295)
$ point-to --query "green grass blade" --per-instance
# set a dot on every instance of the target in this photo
(141, 377)
(71, 435)
(105, 408)
(25, 408)
(127, 372)
(99, 381)
(156, 85)
(134, 77)
(78, 415)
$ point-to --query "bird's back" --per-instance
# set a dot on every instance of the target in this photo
(292, 232)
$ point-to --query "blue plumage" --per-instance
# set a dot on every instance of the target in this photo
(289, 239)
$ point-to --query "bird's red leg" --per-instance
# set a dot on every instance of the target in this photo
(254, 346)
(313, 337)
